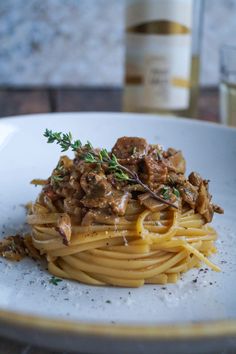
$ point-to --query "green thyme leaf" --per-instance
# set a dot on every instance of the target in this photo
(55, 280)
(165, 192)
(76, 145)
(176, 192)
(90, 158)
(121, 176)
(56, 178)
(113, 162)
(64, 140)
(52, 136)
(166, 196)
(104, 154)
(88, 145)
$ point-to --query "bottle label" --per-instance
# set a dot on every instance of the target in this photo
(158, 57)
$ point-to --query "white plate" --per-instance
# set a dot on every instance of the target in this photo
(106, 319)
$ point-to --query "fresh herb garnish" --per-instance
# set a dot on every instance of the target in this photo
(176, 192)
(57, 175)
(159, 154)
(90, 158)
(55, 280)
(64, 140)
(121, 176)
(103, 154)
(56, 178)
(88, 145)
(165, 192)
(90, 155)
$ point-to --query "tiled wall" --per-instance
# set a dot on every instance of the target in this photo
(81, 42)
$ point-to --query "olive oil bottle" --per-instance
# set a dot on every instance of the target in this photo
(162, 56)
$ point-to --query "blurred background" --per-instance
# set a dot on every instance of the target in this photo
(69, 55)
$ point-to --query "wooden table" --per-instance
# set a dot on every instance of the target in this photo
(25, 101)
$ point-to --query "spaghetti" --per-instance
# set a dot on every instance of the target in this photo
(141, 247)
(125, 218)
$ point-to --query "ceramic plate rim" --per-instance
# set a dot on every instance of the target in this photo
(183, 331)
(186, 120)
(198, 330)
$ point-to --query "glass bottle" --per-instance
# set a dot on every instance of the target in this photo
(162, 56)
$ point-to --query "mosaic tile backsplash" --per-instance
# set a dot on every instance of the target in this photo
(81, 42)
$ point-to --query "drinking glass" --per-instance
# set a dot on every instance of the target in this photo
(228, 85)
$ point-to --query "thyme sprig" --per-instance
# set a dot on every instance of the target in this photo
(165, 193)
(56, 178)
(55, 280)
(64, 140)
(176, 192)
(102, 157)
(58, 173)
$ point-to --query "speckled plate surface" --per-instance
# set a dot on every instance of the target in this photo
(200, 308)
